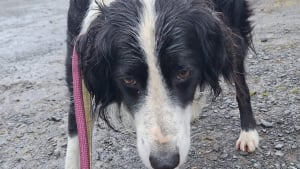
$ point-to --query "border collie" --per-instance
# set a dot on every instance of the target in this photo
(150, 58)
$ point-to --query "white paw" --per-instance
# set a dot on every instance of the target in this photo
(72, 157)
(248, 141)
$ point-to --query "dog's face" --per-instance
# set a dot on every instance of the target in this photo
(151, 56)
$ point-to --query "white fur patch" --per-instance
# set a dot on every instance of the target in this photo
(183, 117)
(92, 13)
(146, 120)
(160, 121)
(199, 103)
(72, 157)
(248, 141)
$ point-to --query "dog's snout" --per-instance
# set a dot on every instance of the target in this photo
(164, 160)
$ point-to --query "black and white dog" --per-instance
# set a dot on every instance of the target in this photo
(151, 57)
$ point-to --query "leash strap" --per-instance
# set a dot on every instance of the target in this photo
(80, 114)
(88, 117)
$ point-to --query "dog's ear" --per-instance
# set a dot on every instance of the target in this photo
(96, 52)
(213, 42)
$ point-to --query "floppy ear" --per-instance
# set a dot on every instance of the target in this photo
(95, 50)
(214, 46)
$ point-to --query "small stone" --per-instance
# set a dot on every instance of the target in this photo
(233, 105)
(243, 153)
(287, 131)
(214, 158)
(287, 112)
(280, 135)
(257, 165)
(216, 148)
(279, 153)
(237, 167)
(56, 153)
(268, 153)
(55, 119)
(297, 128)
(277, 166)
(298, 165)
(64, 145)
(227, 116)
(283, 166)
(264, 40)
(266, 124)
(224, 156)
(294, 146)
(263, 110)
(282, 75)
(278, 146)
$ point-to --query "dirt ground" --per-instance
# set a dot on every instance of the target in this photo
(34, 99)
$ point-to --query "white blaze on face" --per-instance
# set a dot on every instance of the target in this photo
(159, 121)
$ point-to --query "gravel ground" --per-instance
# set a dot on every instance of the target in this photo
(34, 99)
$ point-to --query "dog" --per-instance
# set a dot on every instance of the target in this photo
(151, 58)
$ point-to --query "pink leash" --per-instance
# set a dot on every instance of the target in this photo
(79, 113)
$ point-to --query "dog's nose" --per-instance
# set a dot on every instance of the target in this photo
(164, 160)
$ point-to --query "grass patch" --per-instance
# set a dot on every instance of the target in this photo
(295, 91)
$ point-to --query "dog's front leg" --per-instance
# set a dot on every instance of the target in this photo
(248, 139)
(72, 156)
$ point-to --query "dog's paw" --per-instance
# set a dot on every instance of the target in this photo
(248, 141)
(72, 156)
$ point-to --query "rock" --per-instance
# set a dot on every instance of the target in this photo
(298, 165)
(283, 166)
(257, 165)
(279, 153)
(55, 119)
(294, 146)
(57, 153)
(224, 156)
(243, 153)
(287, 112)
(278, 146)
(297, 128)
(287, 131)
(264, 40)
(237, 166)
(277, 166)
(268, 153)
(216, 148)
(266, 124)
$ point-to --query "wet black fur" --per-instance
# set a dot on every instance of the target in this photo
(209, 38)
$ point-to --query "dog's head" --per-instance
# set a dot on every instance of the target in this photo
(151, 56)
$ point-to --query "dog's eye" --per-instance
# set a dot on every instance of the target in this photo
(183, 75)
(129, 82)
